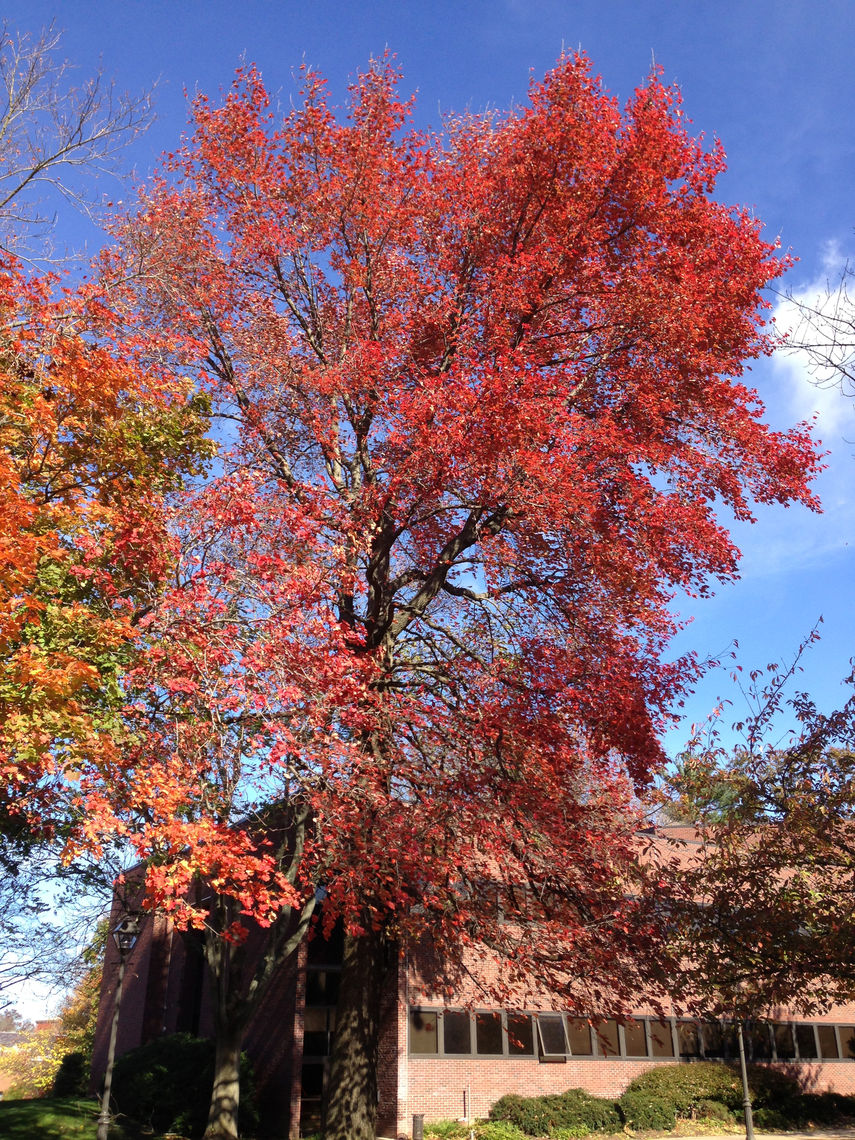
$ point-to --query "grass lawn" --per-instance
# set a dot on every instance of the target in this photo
(51, 1120)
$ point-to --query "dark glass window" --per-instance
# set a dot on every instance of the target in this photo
(579, 1032)
(456, 1037)
(661, 1043)
(758, 1041)
(713, 1039)
(827, 1042)
(192, 983)
(606, 1034)
(806, 1040)
(318, 1024)
(322, 987)
(310, 1114)
(847, 1040)
(327, 951)
(551, 1028)
(423, 1032)
(635, 1039)
(520, 1035)
(312, 1083)
(688, 1039)
(488, 1032)
(785, 1048)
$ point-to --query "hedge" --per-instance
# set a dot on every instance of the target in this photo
(166, 1085)
(574, 1109)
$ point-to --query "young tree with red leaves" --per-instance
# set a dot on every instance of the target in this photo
(481, 401)
(768, 898)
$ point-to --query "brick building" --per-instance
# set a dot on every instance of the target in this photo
(440, 1058)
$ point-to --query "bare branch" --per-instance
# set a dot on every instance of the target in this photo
(824, 332)
(49, 129)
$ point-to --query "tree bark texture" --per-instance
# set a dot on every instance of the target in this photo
(225, 1097)
(351, 1101)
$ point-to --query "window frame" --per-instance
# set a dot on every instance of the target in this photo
(842, 1042)
(441, 1031)
(543, 1054)
(812, 1026)
(643, 1023)
(705, 1033)
(503, 1032)
(518, 1013)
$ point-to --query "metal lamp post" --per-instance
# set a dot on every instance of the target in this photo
(125, 936)
(746, 1092)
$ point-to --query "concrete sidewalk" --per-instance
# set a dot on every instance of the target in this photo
(759, 1134)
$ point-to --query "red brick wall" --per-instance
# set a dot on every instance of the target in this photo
(134, 992)
(439, 1088)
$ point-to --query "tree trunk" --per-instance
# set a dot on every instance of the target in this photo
(225, 1098)
(351, 1100)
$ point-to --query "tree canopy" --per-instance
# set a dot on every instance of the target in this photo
(480, 403)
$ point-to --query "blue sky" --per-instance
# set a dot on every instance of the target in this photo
(774, 81)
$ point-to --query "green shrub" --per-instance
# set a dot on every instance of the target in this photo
(577, 1132)
(499, 1130)
(542, 1115)
(643, 1109)
(166, 1085)
(694, 1090)
(771, 1088)
(446, 1130)
(822, 1108)
(72, 1076)
(714, 1110)
(772, 1119)
(684, 1086)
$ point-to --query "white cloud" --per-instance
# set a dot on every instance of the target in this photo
(819, 317)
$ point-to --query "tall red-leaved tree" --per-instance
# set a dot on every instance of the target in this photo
(481, 413)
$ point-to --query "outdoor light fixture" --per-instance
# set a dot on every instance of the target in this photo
(125, 935)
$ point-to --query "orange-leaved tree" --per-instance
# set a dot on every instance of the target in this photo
(90, 447)
(482, 409)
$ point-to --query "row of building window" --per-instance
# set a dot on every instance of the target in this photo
(556, 1036)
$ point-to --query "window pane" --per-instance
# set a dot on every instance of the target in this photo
(315, 1035)
(847, 1040)
(488, 1032)
(606, 1034)
(322, 987)
(784, 1046)
(422, 1032)
(758, 1041)
(688, 1039)
(579, 1032)
(551, 1029)
(327, 950)
(806, 1042)
(520, 1036)
(827, 1042)
(315, 1044)
(312, 1083)
(635, 1039)
(456, 1036)
(660, 1039)
(713, 1039)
